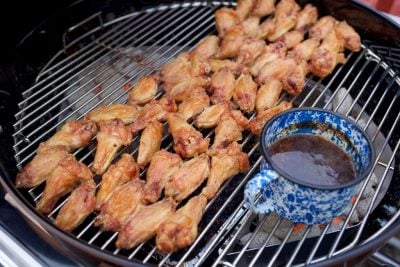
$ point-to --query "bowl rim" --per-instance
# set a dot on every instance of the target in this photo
(284, 174)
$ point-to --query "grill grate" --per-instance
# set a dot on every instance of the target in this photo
(365, 88)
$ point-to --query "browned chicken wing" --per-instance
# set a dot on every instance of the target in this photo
(251, 26)
(207, 47)
(306, 18)
(276, 70)
(121, 172)
(222, 86)
(231, 43)
(162, 165)
(144, 223)
(183, 90)
(226, 19)
(144, 90)
(267, 27)
(195, 104)
(263, 8)
(268, 95)
(245, 93)
(78, 206)
(291, 39)
(294, 82)
(323, 26)
(304, 50)
(352, 40)
(150, 142)
(225, 163)
(235, 67)
(188, 142)
(126, 113)
(270, 53)
(210, 117)
(62, 180)
(123, 202)
(243, 8)
(40, 167)
(250, 50)
(285, 18)
(112, 136)
(263, 117)
(181, 229)
(190, 175)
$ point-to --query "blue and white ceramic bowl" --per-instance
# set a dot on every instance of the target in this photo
(296, 200)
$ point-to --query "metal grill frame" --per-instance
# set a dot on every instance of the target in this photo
(57, 73)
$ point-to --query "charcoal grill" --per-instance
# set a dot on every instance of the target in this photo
(101, 57)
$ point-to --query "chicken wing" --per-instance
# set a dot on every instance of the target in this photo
(183, 90)
(245, 93)
(267, 27)
(235, 67)
(143, 225)
(276, 70)
(226, 19)
(285, 18)
(250, 50)
(79, 205)
(144, 90)
(291, 39)
(41, 166)
(294, 82)
(72, 135)
(304, 50)
(268, 95)
(225, 163)
(195, 104)
(306, 18)
(323, 26)
(243, 8)
(263, 8)
(352, 40)
(207, 47)
(222, 86)
(123, 202)
(126, 113)
(162, 165)
(112, 136)
(62, 180)
(210, 117)
(251, 26)
(155, 110)
(121, 172)
(188, 142)
(190, 175)
(270, 53)
(231, 43)
(150, 142)
(181, 229)
(257, 124)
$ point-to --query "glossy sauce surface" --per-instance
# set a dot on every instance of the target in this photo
(312, 159)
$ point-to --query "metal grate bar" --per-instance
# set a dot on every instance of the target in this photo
(299, 245)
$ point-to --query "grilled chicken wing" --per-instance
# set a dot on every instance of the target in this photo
(352, 40)
(41, 166)
(79, 205)
(236, 68)
(323, 26)
(263, 117)
(270, 53)
(144, 90)
(62, 180)
(195, 104)
(306, 18)
(304, 50)
(126, 113)
(263, 8)
(267, 27)
(144, 223)
(72, 135)
(121, 172)
(226, 19)
(250, 50)
(243, 8)
(181, 229)
(291, 39)
(162, 165)
(190, 175)
(183, 90)
(225, 163)
(123, 202)
(251, 26)
(112, 136)
(207, 47)
(294, 82)
(285, 18)
(245, 93)
(231, 43)
(150, 142)
(155, 110)
(210, 117)
(268, 95)
(188, 142)
(222, 86)
(276, 70)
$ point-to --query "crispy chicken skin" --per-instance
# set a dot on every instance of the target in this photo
(183, 90)
(72, 135)
(291, 39)
(126, 113)
(188, 142)
(243, 8)
(352, 40)
(250, 50)
(195, 104)
(150, 142)
(41, 166)
(263, 8)
(251, 26)
(162, 165)
(231, 43)
(207, 47)
(121, 172)
(144, 90)
(236, 68)
(226, 19)
(270, 53)
(307, 17)
(267, 27)
(304, 50)
(62, 180)
(294, 82)
(323, 26)
(285, 18)
(210, 117)
(112, 136)
(78, 206)
(181, 229)
(225, 163)
(143, 225)
(263, 117)
(245, 93)
(190, 175)
(268, 95)
(222, 86)
(276, 70)
(124, 201)
(155, 110)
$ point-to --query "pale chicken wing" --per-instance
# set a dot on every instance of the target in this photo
(243, 8)
(150, 142)
(231, 43)
(226, 19)
(207, 47)
(251, 26)
(270, 53)
(144, 90)
(123, 202)
(112, 136)
(121, 172)
(210, 117)
(323, 26)
(225, 163)
(276, 70)
(143, 225)
(306, 18)
(162, 165)
(250, 50)
(78, 206)
(268, 95)
(188, 142)
(285, 18)
(222, 86)
(190, 175)
(195, 104)
(352, 40)
(267, 27)
(126, 113)
(245, 93)
(263, 8)
(304, 50)
(181, 229)
(291, 39)
(183, 90)
(236, 68)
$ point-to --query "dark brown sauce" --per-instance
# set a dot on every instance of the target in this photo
(312, 159)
